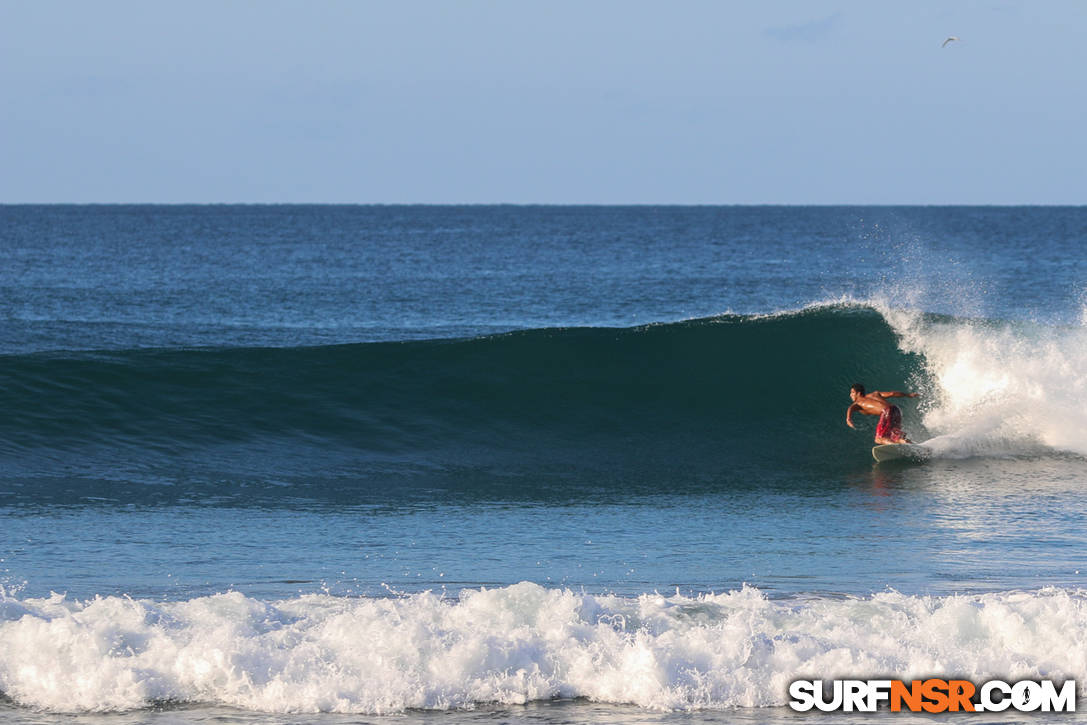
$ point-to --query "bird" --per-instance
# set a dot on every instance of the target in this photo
(950, 38)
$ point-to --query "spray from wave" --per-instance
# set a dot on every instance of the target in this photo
(999, 388)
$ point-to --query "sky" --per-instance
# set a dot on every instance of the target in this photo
(556, 102)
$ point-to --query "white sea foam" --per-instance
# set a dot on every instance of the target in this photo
(999, 388)
(991, 388)
(515, 644)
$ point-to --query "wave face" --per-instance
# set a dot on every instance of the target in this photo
(700, 393)
(515, 644)
(749, 395)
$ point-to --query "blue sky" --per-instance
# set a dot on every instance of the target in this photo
(544, 102)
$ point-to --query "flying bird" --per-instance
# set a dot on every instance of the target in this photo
(950, 39)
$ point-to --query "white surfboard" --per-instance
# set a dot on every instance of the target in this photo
(901, 452)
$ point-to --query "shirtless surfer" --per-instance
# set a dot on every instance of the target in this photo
(889, 427)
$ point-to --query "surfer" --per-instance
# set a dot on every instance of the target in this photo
(889, 427)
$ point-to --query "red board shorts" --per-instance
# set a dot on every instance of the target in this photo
(890, 424)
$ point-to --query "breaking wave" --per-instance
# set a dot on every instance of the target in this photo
(516, 644)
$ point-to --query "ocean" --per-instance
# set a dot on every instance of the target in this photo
(460, 464)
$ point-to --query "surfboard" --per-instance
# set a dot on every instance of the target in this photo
(901, 452)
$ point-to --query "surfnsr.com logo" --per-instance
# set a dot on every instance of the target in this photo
(932, 695)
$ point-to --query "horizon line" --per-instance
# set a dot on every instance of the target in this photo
(540, 204)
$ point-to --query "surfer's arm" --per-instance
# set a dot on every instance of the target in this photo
(895, 394)
(849, 415)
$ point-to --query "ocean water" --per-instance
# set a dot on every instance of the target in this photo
(531, 464)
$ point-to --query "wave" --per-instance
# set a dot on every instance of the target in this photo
(702, 388)
(736, 392)
(515, 644)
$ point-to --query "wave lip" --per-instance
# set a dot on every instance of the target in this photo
(513, 645)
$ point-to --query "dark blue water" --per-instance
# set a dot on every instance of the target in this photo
(244, 418)
(144, 276)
